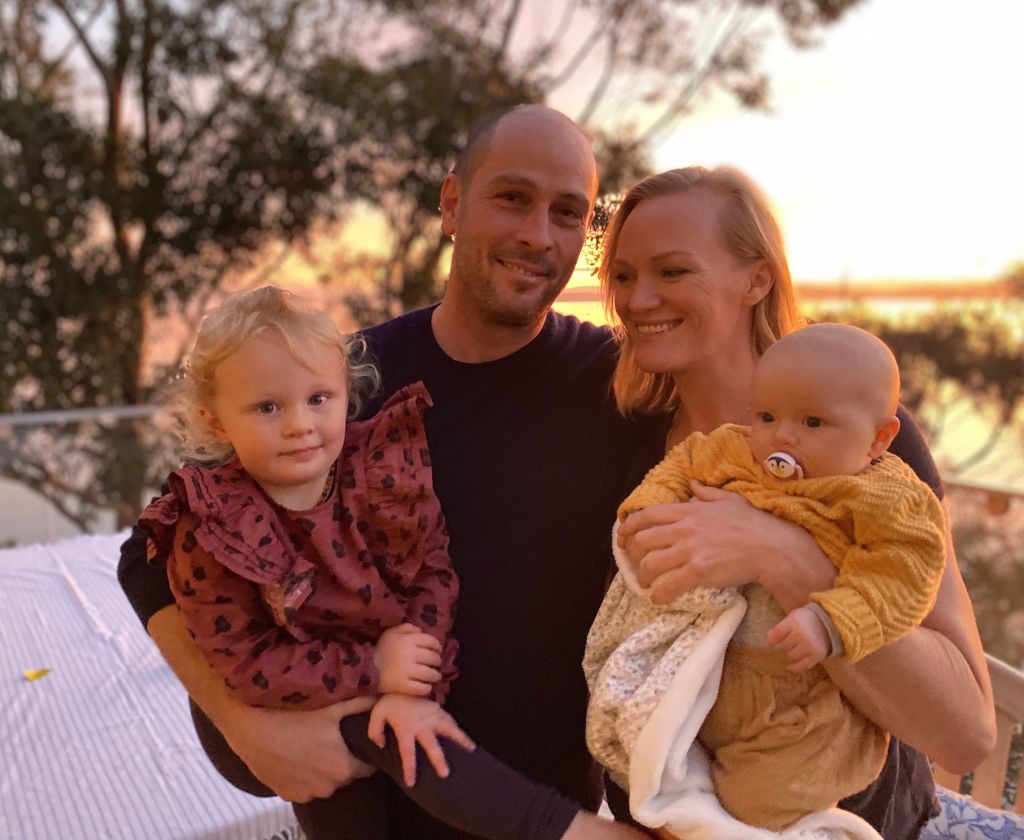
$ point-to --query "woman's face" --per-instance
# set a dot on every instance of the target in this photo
(682, 296)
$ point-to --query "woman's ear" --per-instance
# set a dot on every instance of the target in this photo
(213, 425)
(884, 434)
(451, 191)
(759, 283)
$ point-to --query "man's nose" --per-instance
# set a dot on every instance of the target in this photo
(535, 229)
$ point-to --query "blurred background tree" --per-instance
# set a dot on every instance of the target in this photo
(149, 149)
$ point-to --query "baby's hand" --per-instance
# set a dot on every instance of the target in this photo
(802, 637)
(408, 661)
(415, 720)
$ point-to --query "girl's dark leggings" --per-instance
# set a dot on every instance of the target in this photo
(482, 797)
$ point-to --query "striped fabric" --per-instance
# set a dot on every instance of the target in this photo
(102, 747)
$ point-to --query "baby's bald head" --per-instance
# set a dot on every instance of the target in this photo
(849, 358)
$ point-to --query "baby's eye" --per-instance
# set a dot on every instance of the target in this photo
(318, 399)
(266, 408)
(813, 422)
(765, 417)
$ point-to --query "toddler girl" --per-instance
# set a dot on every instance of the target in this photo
(309, 556)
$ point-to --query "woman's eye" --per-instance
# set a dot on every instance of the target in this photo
(673, 272)
(621, 277)
(813, 422)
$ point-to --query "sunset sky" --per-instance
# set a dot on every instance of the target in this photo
(895, 148)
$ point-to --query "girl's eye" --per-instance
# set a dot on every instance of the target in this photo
(813, 422)
(318, 399)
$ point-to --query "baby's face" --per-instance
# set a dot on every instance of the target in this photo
(815, 416)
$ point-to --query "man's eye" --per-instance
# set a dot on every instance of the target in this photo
(813, 422)
(511, 197)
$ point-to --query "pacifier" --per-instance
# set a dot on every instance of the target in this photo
(782, 465)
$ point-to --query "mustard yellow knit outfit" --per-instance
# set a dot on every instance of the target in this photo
(784, 744)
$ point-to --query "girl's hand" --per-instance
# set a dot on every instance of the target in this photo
(802, 637)
(719, 539)
(408, 661)
(415, 720)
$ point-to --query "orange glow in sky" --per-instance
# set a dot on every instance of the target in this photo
(895, 147)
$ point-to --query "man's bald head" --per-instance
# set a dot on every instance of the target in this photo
(483, 130)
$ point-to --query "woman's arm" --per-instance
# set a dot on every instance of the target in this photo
(930, 688)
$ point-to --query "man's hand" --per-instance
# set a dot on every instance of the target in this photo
(415, 720)
(408, 661)
(802, 637)
(300, 755)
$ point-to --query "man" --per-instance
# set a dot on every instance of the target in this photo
(529, 458)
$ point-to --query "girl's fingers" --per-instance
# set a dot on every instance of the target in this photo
(453, 732)
(428, 642)
(435, 755)
(375, 728)
(424, 674)
(407, 752)
(428, 657)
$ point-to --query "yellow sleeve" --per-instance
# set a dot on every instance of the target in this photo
(713, 458)
(669, 481)
(889, 576)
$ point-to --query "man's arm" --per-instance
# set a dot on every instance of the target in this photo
(265, 739)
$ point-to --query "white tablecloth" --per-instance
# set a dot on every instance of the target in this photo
(101, 748)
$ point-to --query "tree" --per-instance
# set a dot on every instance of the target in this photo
(629, 69)
(949, 355)
(148, 148)
(145, 150)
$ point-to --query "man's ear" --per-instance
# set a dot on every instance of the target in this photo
(213, 425)
(759, 283)
(451, 192)
(886, 431)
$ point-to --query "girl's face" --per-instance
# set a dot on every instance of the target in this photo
(285, 419)
(682, 296)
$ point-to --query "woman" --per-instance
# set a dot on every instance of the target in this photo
(695, 270)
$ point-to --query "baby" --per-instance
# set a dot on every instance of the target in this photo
(782, 741)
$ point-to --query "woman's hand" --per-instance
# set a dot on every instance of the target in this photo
(719, 539)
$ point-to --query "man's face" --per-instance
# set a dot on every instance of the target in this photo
(520, 219)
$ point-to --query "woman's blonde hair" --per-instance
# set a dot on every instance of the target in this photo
(750, 233)
(244, 315)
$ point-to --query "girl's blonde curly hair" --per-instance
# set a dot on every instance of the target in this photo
(244, 315)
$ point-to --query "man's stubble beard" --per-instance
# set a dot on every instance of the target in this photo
(479, 288)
